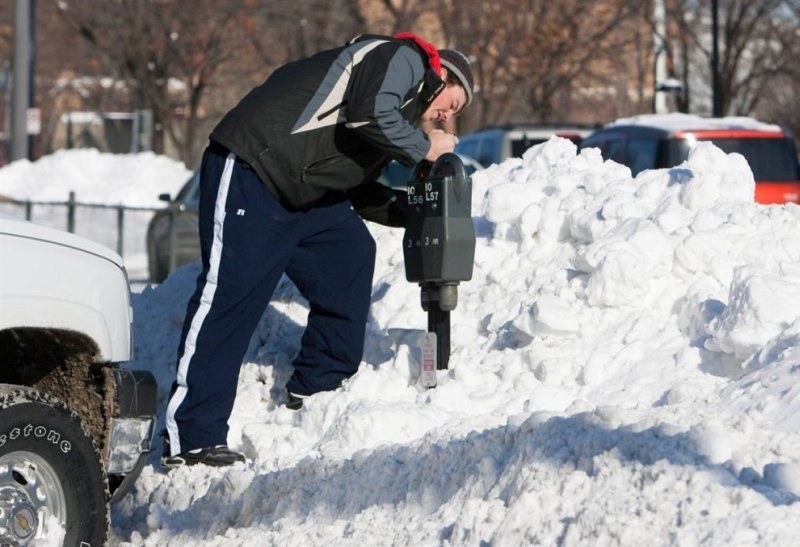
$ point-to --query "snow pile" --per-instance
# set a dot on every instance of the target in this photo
(624, 371)
(132, 180)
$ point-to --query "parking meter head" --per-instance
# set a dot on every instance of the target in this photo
(439, 243)
(450, 165)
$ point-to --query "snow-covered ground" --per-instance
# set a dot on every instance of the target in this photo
(624, 371)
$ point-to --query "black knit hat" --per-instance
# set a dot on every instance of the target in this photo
(459, 66)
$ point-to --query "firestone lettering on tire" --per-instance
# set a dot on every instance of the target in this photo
(37, 431)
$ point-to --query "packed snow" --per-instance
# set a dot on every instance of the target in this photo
(624, 371)
(678, 121)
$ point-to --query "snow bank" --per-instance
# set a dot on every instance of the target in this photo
(624, 371)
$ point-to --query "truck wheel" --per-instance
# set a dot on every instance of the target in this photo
(52, 483)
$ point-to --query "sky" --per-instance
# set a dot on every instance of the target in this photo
(624, 371)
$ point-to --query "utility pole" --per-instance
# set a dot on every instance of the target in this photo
(21, 83)
(716, 88)
(660, 69)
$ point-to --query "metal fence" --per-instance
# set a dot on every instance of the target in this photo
(119, 227)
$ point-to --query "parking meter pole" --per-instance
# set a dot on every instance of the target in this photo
(439, 324)
(439, 243)
(439, 301)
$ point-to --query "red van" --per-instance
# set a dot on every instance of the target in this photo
(664, 140)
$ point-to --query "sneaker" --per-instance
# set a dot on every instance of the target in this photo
(295, 401)
(215, 456)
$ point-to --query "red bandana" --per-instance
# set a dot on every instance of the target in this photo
(430, 49)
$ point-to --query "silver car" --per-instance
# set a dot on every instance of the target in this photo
(172, 235)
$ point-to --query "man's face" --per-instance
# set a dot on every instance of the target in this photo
(446, 105)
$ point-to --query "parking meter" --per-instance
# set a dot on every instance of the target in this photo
(439, 246)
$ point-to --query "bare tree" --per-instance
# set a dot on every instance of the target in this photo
(586, 44)
(401, 15)
(189, 63)
(488, 33)
(286, 31)
(534, 60)
(165, 55)
(530, 55)
(779, 95)
(757, 43)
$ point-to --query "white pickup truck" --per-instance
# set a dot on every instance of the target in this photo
(75, 426)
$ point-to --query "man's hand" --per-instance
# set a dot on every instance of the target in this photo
(441, 143)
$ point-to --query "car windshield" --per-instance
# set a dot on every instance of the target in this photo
(771, 159)
(190, 193)
(520, 145)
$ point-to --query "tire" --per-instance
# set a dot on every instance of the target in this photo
(157, 268)
(49, 467)
(158, 272)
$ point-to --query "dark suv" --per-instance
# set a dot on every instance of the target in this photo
(658, 141)
(496, 144)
